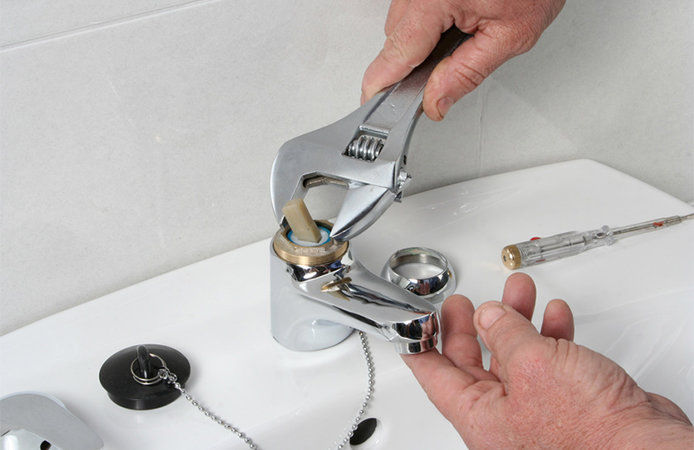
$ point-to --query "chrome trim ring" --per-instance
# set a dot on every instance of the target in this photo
(433, 287)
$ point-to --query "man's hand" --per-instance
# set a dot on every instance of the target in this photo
(502, 29)
(541, 389)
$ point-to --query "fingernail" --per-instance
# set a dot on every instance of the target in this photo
(490, 314)
(443, 105)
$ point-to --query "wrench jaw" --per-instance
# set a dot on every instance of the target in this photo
(365, 203)
(362, 206)
(287, 178)
(372, 186)
(319, 158)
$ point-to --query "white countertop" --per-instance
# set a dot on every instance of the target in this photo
(633, 301)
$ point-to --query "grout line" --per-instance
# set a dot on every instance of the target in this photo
(105, 24)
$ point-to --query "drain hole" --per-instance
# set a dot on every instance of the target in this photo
(364, 431)
(45, 445)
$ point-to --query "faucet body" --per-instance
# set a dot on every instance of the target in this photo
(319, 293)
(317, 301)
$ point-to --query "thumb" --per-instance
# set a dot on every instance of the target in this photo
(504, 330)
(465, 69)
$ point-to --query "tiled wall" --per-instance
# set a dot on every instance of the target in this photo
(137, 136)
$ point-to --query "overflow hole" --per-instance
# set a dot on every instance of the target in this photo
(364, 431)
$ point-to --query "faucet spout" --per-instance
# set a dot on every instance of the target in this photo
(371, 304)
(317, 305)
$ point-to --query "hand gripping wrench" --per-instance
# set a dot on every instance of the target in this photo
(366, 152)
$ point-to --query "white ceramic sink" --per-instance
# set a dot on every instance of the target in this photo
(633, 301)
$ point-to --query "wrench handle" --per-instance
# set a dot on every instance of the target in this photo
(398, 100)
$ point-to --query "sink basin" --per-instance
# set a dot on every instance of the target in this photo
(633, 301)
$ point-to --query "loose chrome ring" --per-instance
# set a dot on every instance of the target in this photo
(151, 380)
(422, 271)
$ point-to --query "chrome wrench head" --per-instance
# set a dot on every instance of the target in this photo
(366, 152)
(320, 157)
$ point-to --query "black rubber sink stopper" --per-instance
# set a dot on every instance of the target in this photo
(131, 376)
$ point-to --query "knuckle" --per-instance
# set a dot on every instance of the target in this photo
(520, 38)
(530, 361)
(466, 76)
(395, 50)
(567, 354)
(535, 352)
(472, 361)
(506, 330)
(525, 43)
(472, 395)
(422, 6)
(453, 6)
(616, 389)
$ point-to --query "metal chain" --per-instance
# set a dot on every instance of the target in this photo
(371, 377)
(171, 378)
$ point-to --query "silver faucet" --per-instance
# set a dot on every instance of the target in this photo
(319, 294)
(35, 420)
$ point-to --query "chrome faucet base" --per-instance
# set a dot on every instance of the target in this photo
(294, 318)
(318, 303)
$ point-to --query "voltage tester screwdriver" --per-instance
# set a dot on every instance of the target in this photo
(539, 250)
